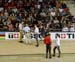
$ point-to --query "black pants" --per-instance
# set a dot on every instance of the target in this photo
(48, 50)
(54, 50)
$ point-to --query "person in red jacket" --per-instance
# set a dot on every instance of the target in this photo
(48, 41)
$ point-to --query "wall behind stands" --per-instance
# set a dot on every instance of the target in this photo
(63, 35)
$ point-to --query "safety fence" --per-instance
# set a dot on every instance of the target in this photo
(16, 35)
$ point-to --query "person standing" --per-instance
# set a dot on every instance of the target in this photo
(57, 46)
(36, 35)
(48, 42)
(21, 31)
(27, 29)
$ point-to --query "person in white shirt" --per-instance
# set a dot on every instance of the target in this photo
(72, 28)
(21, 26)
(21, 31)
(53, 14)
(43, 14)
(65, 29)
(57, 45)
(26, 30)
(1, 9)
(40, 0)
(36, 34)
(61, 10)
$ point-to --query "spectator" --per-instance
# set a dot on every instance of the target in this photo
(72, 28)
(53, 14)
(6, 13)
(30, 11)
(11, 27)
(65, 29)
(19, 17)
(40, 1)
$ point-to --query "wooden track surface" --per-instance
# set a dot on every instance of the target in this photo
(13, 51)
(8, 47)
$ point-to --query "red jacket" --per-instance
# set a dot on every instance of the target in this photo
(47, 40)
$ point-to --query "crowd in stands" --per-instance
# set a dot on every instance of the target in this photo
(51, 15)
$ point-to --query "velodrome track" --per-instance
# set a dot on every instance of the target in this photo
(13, 51)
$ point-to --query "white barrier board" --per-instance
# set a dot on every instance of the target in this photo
(63, 35)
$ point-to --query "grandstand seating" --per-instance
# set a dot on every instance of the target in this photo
(51, 14)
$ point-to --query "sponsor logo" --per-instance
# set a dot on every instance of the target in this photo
(67, 35)
(63, 36)
(13, 35)
(71, 35)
